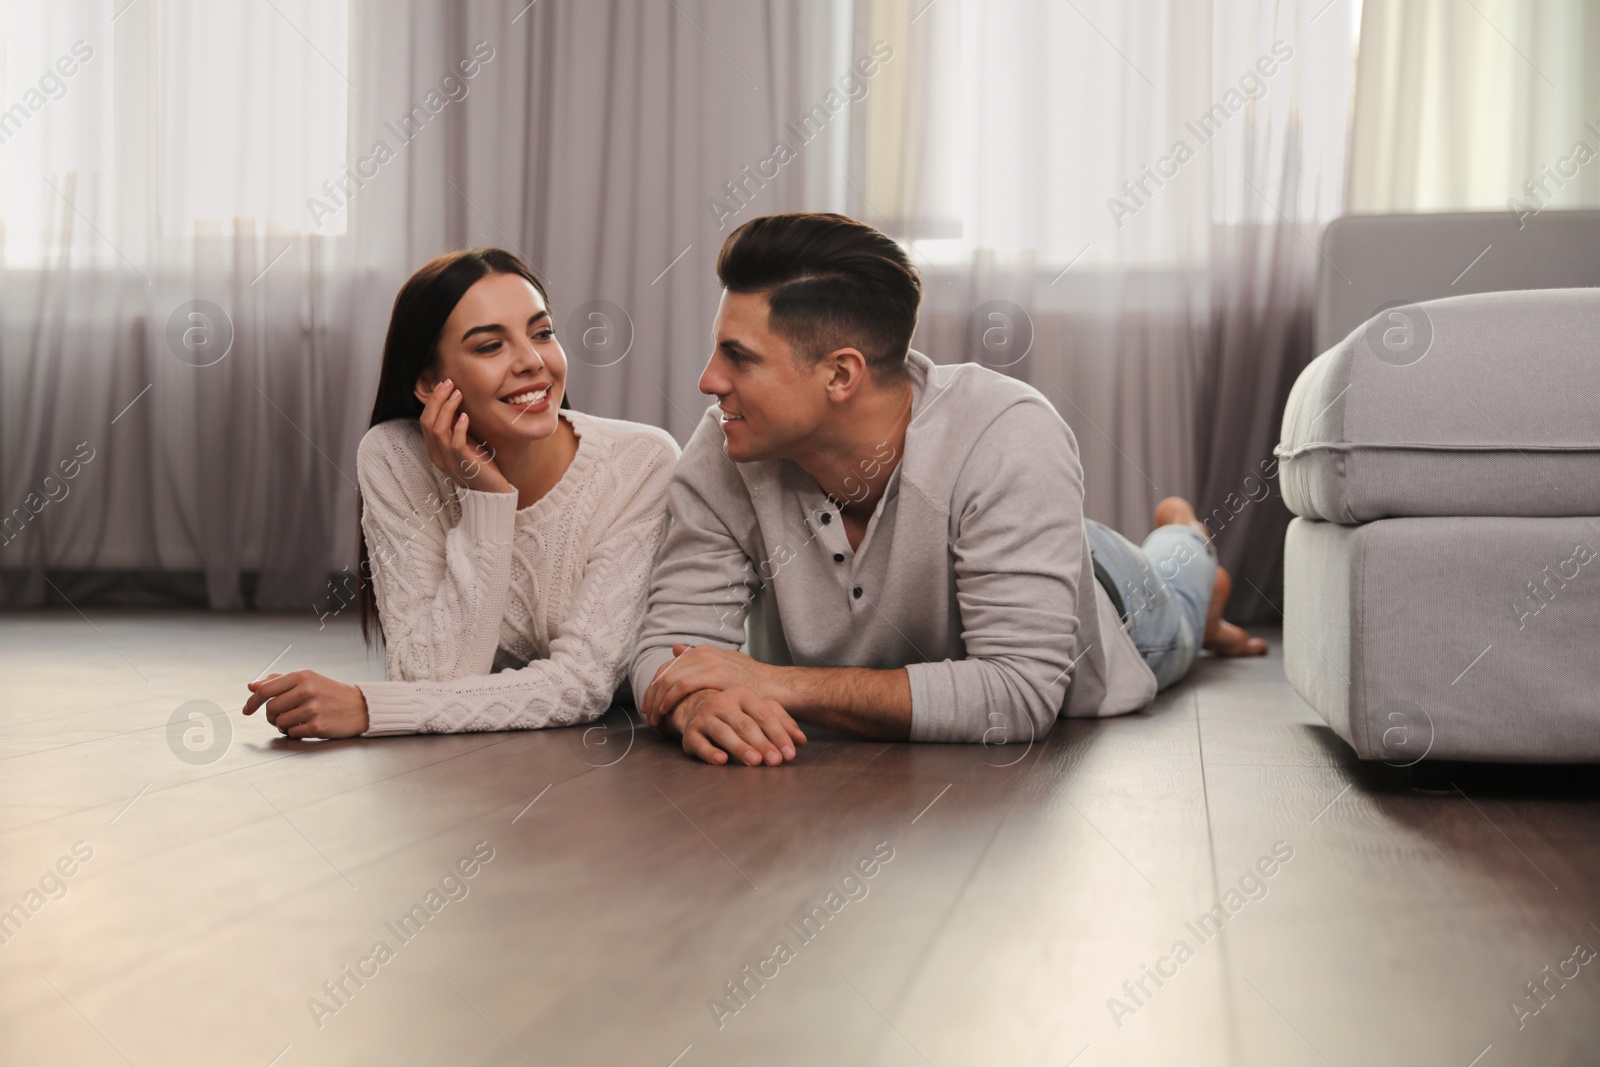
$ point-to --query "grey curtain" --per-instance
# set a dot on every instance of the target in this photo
(1168, 339)
(615, 144)
(1258, 341)
(593, 138)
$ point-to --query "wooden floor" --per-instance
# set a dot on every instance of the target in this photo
(617, 888)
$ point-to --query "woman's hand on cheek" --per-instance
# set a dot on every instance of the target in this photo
(463, 459)
(308, 704)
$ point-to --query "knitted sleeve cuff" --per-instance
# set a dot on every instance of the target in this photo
(489, 517)
(392, 708)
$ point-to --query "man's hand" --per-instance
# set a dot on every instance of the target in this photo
(706, 667)
(308, 704)
(716, 724)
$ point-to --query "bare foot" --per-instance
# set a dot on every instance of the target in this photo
(1176, 511)
(1222, 636)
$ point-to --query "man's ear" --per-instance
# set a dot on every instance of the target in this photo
(846, 372)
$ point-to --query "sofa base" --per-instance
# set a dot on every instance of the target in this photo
(1449, 638)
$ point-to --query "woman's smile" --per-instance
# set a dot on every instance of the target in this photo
(529, 400)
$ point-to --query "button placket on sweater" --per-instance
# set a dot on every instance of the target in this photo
(823, 511)
(829, 527)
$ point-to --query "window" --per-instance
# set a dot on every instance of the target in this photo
(1100, 131)
(253, 109)
(131, 127)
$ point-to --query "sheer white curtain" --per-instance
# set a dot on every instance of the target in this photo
(1492, 105)
(288, 163)
(104, 244)
(1026, 150)
(168, 306)
(1119, 203)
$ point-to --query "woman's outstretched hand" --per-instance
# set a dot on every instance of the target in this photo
(464, 459)
(308, 704)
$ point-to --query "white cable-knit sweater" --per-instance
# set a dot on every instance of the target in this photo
(496, 618)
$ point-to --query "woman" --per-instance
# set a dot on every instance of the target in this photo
(508, 540)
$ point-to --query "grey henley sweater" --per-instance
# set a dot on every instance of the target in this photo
(974, 572)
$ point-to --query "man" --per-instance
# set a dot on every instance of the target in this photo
(902, 544)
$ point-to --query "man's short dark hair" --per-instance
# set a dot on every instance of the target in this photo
(832, 282)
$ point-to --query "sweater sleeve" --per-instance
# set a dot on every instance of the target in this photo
(1018, 552)
(590, 650)
(703, 585)
(441, 589)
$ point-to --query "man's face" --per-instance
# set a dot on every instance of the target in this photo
(770, 407)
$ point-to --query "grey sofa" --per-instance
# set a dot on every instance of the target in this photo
(1442, 576)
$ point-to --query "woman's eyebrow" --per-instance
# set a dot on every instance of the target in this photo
(491, 328)
(495, 327)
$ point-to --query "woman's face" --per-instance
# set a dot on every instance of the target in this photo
(499, 346)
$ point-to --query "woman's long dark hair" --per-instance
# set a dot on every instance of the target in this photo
(412, 348)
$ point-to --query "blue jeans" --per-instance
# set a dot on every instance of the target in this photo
(1165, 586)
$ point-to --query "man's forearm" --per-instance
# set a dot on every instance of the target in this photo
(856, 700)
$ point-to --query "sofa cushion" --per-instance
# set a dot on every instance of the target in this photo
(1486, 404)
